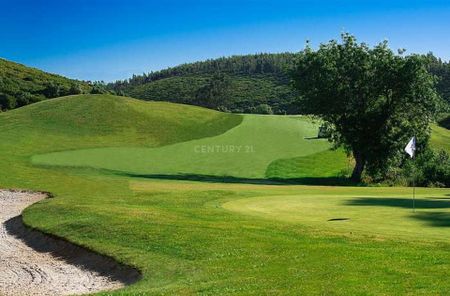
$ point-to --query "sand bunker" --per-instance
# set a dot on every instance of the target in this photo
(32, 263)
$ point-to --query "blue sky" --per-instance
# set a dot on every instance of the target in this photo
(109, 40)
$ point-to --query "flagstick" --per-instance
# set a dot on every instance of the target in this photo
(411, 150)
(414, 181)
(414, 194)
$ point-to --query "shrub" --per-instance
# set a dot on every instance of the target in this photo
(430, 168)
(263, 109)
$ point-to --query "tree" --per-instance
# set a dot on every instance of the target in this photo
(214, 92)
(7, 102)
(263, 109)
(75, 89)
(98, 87)
(374, 99)
(52, 90)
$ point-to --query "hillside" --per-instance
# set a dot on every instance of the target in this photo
(86, 121)
(136, 137)
(238, 83)
(161, 139)
(258, 83)
(21, 85)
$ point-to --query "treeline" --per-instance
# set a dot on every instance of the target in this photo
(256, 83)
(442, 71)
(21, 85)
(263, 63)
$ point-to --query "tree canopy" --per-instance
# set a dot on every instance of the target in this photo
(374, 99)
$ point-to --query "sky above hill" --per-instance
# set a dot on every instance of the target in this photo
(109, 40)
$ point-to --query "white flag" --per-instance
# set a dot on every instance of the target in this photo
(411, 147)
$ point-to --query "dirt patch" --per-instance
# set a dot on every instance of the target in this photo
(32, 263)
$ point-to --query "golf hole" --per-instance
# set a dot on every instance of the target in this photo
(338, 219)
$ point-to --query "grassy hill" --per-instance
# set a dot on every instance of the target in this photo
(160, 139)
(216, 238)
(21, 85)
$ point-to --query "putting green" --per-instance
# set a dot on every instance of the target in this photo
(380, 212)
(244, 151)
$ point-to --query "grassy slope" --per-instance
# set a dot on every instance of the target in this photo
(185, 242)
(105, 120)
(256, 142)
(90, 121)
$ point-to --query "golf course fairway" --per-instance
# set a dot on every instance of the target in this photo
(244, 151)
(215, 238)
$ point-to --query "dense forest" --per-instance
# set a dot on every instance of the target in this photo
(21, 85)
(251, 84)
(257, 83)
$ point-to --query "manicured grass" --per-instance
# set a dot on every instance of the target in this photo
(383, 213)
(329, 163)
(244, 151)
(185, 242)
(211, 238)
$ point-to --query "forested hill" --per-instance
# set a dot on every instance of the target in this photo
(251, 83)
(257, 83)
(21, 85)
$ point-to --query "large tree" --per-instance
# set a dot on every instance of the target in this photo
(374, 99)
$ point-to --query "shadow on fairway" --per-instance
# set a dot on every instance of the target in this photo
(399, 202)
(437, 219)
(228, 179)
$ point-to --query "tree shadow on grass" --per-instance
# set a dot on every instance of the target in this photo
(437, 219)
(229, 179)
(399, 202)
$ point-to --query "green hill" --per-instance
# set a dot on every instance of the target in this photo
(240, 84)
(237, 83)
(86, 121)
(21, 85)
(249, 81)
(158, 138)
(135, 137)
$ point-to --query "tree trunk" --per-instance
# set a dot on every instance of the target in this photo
(359, 167)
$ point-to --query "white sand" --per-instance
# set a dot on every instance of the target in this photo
(32, 263)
